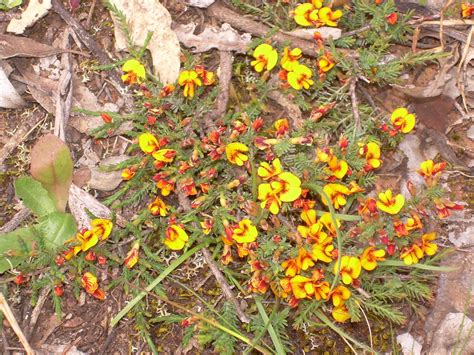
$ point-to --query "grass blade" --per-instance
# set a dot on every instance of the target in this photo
(280, 350)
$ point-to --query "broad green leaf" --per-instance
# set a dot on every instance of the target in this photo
(56, 228)
(16, 246)
(34, 196)
(51, 164)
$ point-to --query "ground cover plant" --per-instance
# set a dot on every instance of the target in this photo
(278, 193)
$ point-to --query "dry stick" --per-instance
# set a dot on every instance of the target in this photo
(355, 104)
(17, 219)
(236, 20)
(225, 78)
(37, 310)
(89, 16)
(5, 308)
(186, 205)
(89, 42)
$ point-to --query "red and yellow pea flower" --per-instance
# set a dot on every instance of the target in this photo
(90, 284)
(304, 260)
(207, 76)
(267, 171)
(337, 194)
(389, 204)
(88, 239)
(467, 10)
(323, 250)
(165, 186)
(328, 17)
(392, 18)
(427, 246)
(102, 227)
(350, 269)
(282, 127)
(340, 295)
(371, 152)
(175, 237)
(291, 267)
(148, 143)
(443, 207)
(431, 171)
(235, 153)
(341, 314)
(402, 120)
(300, 77)
(326, 220)
(207, 225)
(132, 256)
(411, 255)
(164, 155)
(158, 207)
(290, 58)
(306, 14)
(325, 63)
(269, 197)
(304, 287)
(266, 57)
(370, 256)
(189, 79)
(245, 232)
(166, 90)
(134, 72)
(128, 173)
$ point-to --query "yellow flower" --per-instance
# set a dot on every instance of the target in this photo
(132, 256)
(339, 295)
(300, 77)
(325, 63)
(304, 259)
(128, 173)
(467, 10)
(288, 187)
(411, 255)
(390, 204)
(370, 256)
(164, 155)
(282, 127)
(266, 172)
(430, 171)
(350, 269)
(426, 245)
(371, 151)
(175, 237)
(291, 267)
(246, 232)
(102, 227)
(337, 193)
(87, 239)
(304, 287)
(148, 143)
(158, 207)
(89, 282)
(265, 56)
(269, 198)
(323, 249)
(134, 72)
(235, 153)
(189, 79)
(306, 14)
(339, 168)
(341, 314)
(290, 58)
(326, 220)
(329, 17)
(403, 120)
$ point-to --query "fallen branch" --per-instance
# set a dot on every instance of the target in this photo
(355, 105)
(222, 100)
(224, 14)
(17, 219)
(5, 308)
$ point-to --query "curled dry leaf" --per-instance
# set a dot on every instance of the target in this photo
(150, 16)
(36, 9)
(224, 38)
(9, 98)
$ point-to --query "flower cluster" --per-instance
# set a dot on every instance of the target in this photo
(199, 76)
(86, 239)
(313, 13)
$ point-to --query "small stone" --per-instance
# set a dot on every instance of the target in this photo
(409, 345)
(454, 336)
(470, 133)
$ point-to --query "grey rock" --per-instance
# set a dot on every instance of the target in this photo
(454, 335)
(409, 345)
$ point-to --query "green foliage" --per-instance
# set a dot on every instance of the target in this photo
(34, 196)
(6, 5)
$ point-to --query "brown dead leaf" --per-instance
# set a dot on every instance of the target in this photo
(224, 38)
(16, 46)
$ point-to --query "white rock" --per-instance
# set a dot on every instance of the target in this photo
(453, 336)
(36, 9)
(409, 345)
(201, 3)
(9, 98)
